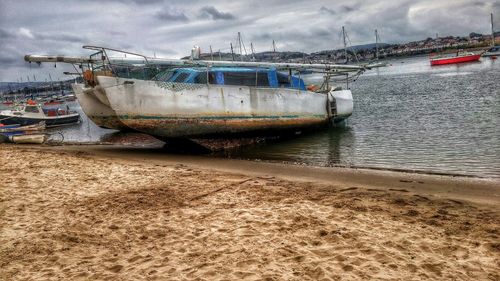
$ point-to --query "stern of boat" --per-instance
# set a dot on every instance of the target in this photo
(339, 105)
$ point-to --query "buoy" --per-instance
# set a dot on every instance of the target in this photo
(87, 75)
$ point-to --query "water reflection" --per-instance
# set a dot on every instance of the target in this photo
(327, 147)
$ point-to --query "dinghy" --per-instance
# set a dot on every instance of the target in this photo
(28, 139)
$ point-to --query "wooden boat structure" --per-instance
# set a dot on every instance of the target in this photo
(182, 99)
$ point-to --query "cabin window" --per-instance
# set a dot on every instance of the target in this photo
(201, 78)
(283, 80)
(262, 79)
(250, 79)
(31, 109)
(164, 76)
(181, 77)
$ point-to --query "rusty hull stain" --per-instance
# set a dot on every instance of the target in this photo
(197, 127)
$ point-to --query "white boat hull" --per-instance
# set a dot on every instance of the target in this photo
(101, 114)
(178, 110)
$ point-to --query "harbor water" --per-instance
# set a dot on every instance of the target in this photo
(407, 116)
(410, 116)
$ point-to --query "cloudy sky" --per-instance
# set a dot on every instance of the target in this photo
(169, 28)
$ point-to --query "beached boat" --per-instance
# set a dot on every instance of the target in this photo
(459, 57)
(30, 114)
(179, 99)
(18, 128)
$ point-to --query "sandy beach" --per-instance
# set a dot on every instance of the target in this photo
(87, 213)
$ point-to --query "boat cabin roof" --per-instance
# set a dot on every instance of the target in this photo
(238, 76)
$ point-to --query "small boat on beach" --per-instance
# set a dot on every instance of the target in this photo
(28, 138)
(31, 114)
(18, 128)
(459, 57)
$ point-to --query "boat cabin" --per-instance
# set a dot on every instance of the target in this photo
(251, 77)
(35, 110)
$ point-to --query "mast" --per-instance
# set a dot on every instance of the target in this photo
(492, 32)
(345, 44)
(253, 51)
(211, 53)
(376, 44)
(232, 52)
(239, 42)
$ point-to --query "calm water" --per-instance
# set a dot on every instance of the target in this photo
(410, 116)
(406, 116)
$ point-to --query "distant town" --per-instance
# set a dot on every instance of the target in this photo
(352, 54)
(367, 52)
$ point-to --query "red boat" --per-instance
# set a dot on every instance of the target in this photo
(458, 58)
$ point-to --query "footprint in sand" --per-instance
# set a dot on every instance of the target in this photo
(116, 268)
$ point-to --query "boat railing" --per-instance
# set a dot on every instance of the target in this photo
(146, 68)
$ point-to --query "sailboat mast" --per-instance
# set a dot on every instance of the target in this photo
(239, 42)
(232, 51)
(345, 44)
(376, 44)
(253, 52)
(492, 32)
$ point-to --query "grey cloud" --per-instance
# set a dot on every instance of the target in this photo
(139, 2)
(63, 37)
(55, 27)
(324, 9)
(213, 13)
(7, 60)
(169, 14)
(347, 9)
(4, 34)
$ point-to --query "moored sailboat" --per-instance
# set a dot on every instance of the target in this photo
(459, 57)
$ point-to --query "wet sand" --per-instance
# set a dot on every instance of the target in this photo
(95, 213)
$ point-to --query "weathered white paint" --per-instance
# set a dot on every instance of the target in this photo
(101, 114)
(139, 104)
(343, 99)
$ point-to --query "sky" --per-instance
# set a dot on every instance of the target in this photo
(171, 28)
